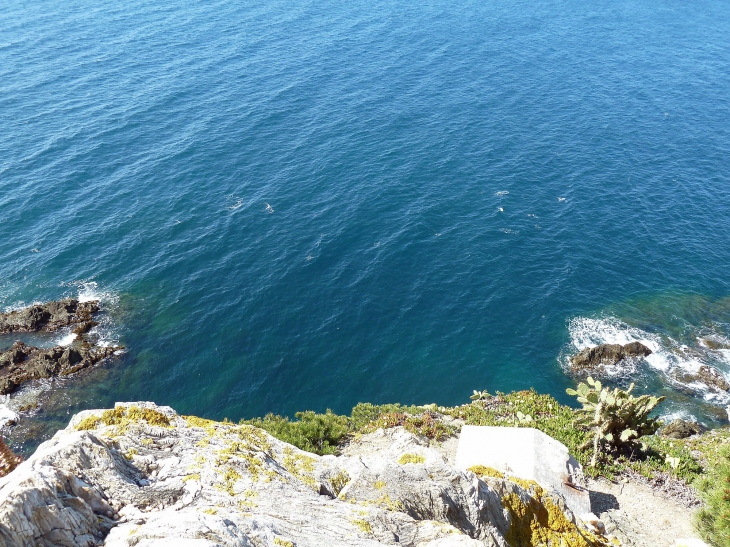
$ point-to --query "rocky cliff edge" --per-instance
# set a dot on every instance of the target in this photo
(140, 475)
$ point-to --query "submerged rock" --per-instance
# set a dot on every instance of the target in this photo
(22, 363)
(713, 343)
(141, 475)
(48, 317)
(606, 354)
(681, 429)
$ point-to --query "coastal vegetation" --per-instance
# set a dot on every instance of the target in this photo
(614, 435)
(681, 459)
(713, 520)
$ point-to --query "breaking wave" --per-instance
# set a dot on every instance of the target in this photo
(672, 365)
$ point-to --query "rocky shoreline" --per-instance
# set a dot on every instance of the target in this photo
(49, 317)
(595, 360)
(140, 475)
(22, 363)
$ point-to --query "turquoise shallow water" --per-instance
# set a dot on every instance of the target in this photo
(290, 205)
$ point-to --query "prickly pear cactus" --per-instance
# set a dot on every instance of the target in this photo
(617, 418)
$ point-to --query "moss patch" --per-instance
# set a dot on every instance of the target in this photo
(122, 417)
(300, 466)
(539, 522)
(88, 423)
(339, 481)
(482, 471)
(411, 458)
(364, 526)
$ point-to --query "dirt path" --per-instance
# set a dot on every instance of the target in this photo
(639, 515)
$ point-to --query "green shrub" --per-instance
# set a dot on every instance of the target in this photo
(322, 433)
(325, 433)
(317, 433)
(425, 424)
(364, 413)
(713, 520)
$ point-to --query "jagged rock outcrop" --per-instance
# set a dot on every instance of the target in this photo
(141, 475)
(49, 316)
(22, 363)
(594, 358)
(707, 375)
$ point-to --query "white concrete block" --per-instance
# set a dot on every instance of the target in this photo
(526, 453)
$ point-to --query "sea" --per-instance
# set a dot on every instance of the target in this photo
(305, 205)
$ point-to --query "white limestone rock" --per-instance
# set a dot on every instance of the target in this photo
(135, 482)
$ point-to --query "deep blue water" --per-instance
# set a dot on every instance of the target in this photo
(290, 205)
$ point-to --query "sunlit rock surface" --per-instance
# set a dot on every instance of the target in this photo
(141, 475)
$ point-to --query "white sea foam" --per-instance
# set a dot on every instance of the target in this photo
(588, 332)
(66, 340)
(501, 193)
(667, 358)
(106, 331)
(237, 203)
(724, 355)
(89, 290)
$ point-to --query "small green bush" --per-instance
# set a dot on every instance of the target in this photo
(713, 520)
(322, 433)
(425, 424)
(364, 413)
(317, 433)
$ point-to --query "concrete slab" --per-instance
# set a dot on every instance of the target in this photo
(526, 453)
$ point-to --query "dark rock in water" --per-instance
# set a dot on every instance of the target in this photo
(707, 375)
(84, 327)
(713, 378)
(635, 349)
(48, 317)
(681, 429)
(606, 354)
(715, 344)
(22, 363)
